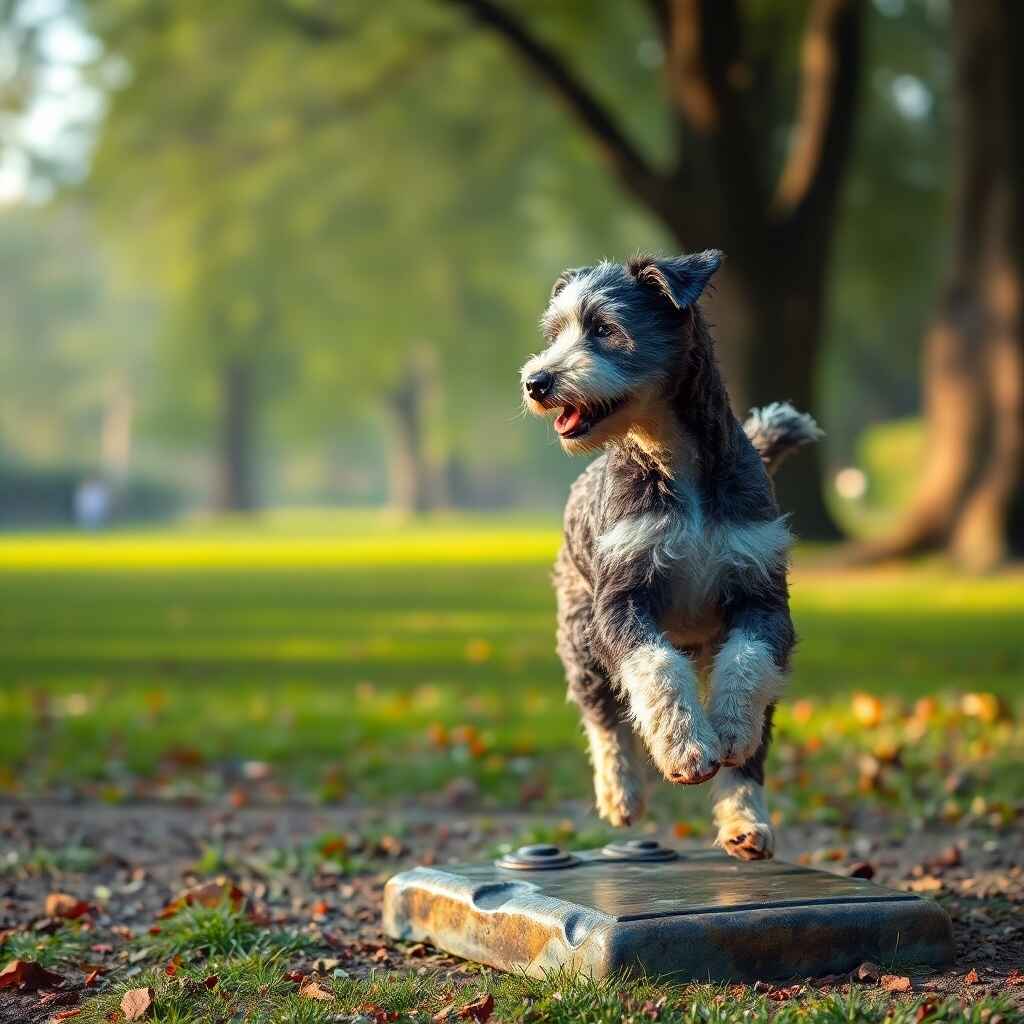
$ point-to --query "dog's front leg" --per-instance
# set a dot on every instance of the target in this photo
(660, 686)
(748, 674)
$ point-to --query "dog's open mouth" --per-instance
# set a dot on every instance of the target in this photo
(578, 420)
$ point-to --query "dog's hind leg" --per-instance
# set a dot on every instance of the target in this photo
(738, 806)
(618, 787)
(618, 775)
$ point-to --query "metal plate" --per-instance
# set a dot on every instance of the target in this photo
(700, 916)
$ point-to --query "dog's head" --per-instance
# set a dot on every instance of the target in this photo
(616, 338)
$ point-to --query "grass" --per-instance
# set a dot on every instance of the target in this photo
(257, 990)
(348, 658)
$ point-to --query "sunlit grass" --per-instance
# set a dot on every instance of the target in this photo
(355, 658)
(258, 989)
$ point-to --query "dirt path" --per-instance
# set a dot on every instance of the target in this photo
(322, 872)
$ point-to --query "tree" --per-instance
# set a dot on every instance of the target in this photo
(970, 498)
(727, 185)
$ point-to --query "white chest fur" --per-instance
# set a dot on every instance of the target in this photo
(699, 555)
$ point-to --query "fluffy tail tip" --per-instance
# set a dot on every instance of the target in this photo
(778, 429)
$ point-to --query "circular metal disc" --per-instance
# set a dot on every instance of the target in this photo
(639, 849)
(537, 857)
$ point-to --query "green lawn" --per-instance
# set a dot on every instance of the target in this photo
(359, 660)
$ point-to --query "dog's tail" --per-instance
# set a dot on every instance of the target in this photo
(777, 430)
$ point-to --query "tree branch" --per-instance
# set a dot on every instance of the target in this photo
(830, 72)
(639, 177)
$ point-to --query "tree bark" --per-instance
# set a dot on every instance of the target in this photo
(235, 489)
(414, 484)
(719, 192)
(971, 492)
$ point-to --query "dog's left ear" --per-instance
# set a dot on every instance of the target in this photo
(681, 279)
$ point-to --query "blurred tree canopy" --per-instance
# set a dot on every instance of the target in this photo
(347, 219)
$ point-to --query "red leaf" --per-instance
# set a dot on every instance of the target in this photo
(27, 976)
(60, 904)
(971, 977)
(896, 983)
(137, 1003)
(65, 1015)
(212, 981)
(479, 1010)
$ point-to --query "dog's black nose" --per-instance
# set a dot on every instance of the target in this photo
(539, 384)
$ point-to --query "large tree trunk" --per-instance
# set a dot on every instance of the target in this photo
(414, 480)
(969, 498)
(720, 192)
(235, 491)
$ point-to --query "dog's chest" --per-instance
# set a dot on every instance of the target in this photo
(698, 556)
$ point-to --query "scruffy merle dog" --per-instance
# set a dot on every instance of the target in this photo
(673, 568)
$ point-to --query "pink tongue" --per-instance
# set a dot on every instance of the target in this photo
(569, 419)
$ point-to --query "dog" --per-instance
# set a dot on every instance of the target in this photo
(672, 575)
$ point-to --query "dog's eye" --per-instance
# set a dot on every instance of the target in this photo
(603, 331)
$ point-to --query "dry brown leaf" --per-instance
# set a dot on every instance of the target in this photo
(1015, 977)
(896, 983)
(66, 1014)
(28, 976)
(312, 989)
(209, 894)
(927, 884)
(971, 977)
(60, 904)
(137, 1003)
(443, 1014)
(480, 1009)
(212, 981)
(92, 977)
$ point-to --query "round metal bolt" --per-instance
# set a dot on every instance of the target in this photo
(537, 857)
(640, 850)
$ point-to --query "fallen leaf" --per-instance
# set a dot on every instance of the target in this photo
(66, 1014)
(312, 989)
(91, 978)
(971, 977)
(926, 1009)
(443, 1014)
(381, 956)
(479, 1010)
(927, 884)
(320, 909)
(896, 983)
(209, 894)
(28, 976)
(867, 709)
(868, 972)
(1015, 977)
(212, 981)
(137, 1003)
(417, 951)
(60, 904)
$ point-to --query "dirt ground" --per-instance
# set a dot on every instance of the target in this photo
(139, 858)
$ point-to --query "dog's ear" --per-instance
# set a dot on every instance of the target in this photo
(681, 279)
(564, 278)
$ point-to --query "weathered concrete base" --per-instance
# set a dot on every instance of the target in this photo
(699, 916)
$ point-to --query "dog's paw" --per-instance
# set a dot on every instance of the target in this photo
(746, 839)
(739, 735)
(688, 755)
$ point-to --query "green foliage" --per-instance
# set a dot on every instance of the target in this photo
(217, 931)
